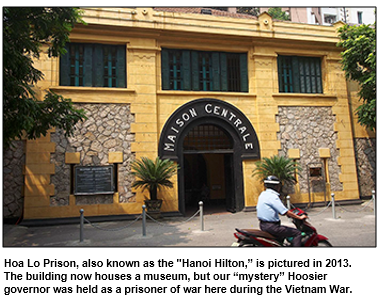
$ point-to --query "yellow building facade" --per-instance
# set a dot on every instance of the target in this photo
(216, 134)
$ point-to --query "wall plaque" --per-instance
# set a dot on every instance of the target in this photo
(92, 180)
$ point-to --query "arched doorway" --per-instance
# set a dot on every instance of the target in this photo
(209, 139)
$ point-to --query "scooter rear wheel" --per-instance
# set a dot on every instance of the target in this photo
(324, 243)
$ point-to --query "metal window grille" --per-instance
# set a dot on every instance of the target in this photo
(93, 65)
(205, 70)
(310, 75)
(233, 72)
(285, 74)
(176, 74)
(76, 65)
(110, 66)
(207, 137)
(299, 75)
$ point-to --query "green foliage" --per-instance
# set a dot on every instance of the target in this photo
(152, 175)
(279, 166)
(278, 14)
(359, 64)
(25, 31)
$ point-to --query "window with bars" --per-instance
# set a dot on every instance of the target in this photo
(206, 137)
(93, 65)
(176, 73)
(299, 74)
(204, 71)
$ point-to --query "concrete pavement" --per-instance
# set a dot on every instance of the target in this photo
(354, 226)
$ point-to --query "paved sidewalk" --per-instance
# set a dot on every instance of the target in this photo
(354, 226)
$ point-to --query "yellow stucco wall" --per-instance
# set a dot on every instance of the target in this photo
(144, 32)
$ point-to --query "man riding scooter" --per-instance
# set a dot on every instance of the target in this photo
(269, 206)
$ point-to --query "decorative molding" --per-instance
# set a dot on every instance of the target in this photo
(273, 55)
(144, 48)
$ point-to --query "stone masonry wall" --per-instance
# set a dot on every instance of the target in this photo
(107, 129)
(13, 179)
(309, 129)
(365, 152)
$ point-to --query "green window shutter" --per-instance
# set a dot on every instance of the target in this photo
(302, 78)
(285, 74)
(65, 67)
(165, 70)
(295, 75)
(243, 73)
(313, 75)
(280, 73)
(98, 66)
(77, 65)
(223, 72)
(121, 66)
(308, 78)
(205, 71)
(315, 67)
(319, 77)
(175, 82)
(88, 65)
(195, 70)
(186, 66)
(107, 66)
(215, 72)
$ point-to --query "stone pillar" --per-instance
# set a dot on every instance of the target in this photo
(13, 180)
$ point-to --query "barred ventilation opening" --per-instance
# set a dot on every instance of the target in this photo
(207, 137)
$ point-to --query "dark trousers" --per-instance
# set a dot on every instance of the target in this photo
(282, 232)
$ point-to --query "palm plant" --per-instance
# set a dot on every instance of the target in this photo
(283, 168)
(152, 175)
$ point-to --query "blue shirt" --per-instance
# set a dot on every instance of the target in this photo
(269, 206)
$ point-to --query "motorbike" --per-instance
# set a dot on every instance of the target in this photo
(259, 238)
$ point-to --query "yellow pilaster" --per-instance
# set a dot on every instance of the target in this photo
(37, 172)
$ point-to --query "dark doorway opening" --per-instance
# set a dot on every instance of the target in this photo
(209, 178)
(208, 169)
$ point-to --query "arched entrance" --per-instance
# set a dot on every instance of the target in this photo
(209, 138)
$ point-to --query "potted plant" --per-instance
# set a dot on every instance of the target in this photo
(283, 168)
(153, 175)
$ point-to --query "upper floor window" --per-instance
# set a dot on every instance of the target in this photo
(93, 65)
(359, 16)
(330, 19)
(299, 74)
(204, 71)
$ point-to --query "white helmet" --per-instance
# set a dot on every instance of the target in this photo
(272, 182)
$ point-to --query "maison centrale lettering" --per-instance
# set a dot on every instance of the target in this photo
(208, 109)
